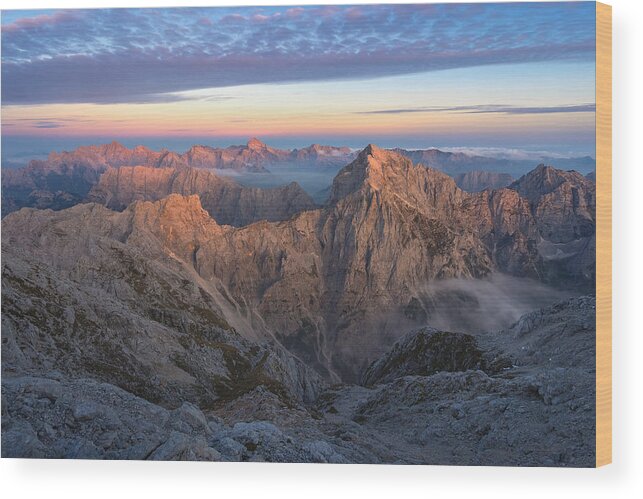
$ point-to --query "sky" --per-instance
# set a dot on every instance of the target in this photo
(459, 75)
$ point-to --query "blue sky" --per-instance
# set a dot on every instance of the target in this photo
(513, 74)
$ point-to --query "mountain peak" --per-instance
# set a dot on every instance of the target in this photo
(372, 167)
(544, 179)
(114, 147)
(375, 151)
(176, 210)
(255, 144)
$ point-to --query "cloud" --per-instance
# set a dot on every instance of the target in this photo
(47, 124)
(483, 109)
(153, 55)
(580, 108)
(511, 153)
(38, 22)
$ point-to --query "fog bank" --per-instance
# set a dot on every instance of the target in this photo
(476, 305)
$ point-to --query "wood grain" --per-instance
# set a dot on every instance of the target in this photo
(603, 234)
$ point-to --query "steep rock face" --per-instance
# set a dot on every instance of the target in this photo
(227, 202)
(69, 173)
(503, 220)
(391, 228)
(476, 181)
(563, 203)
(64, 179)
(40, 186)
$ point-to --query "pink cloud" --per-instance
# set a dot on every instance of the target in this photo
(43, 20)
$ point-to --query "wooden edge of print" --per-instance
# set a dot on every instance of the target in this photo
(603, 234)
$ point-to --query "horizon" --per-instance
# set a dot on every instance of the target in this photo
(22, 149)
(410, 76)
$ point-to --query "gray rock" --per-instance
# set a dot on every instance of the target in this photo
(86, 410)
(323, 452)
(21, 441)
(182, 447)
(230, 449)
(193, 416)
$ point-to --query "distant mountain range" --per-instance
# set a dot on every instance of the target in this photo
(66, 178)
(456, 163)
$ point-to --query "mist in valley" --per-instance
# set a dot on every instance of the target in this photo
(472, 306)
(492, 303)
(315, 180)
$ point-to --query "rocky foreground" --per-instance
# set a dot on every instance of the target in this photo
(522, 396)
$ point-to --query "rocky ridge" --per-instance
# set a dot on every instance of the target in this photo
(224, 199)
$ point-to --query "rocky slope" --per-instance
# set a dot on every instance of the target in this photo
(334, 285)
(225, 200)
(425, 352)
(536, 409)
(118, 314)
